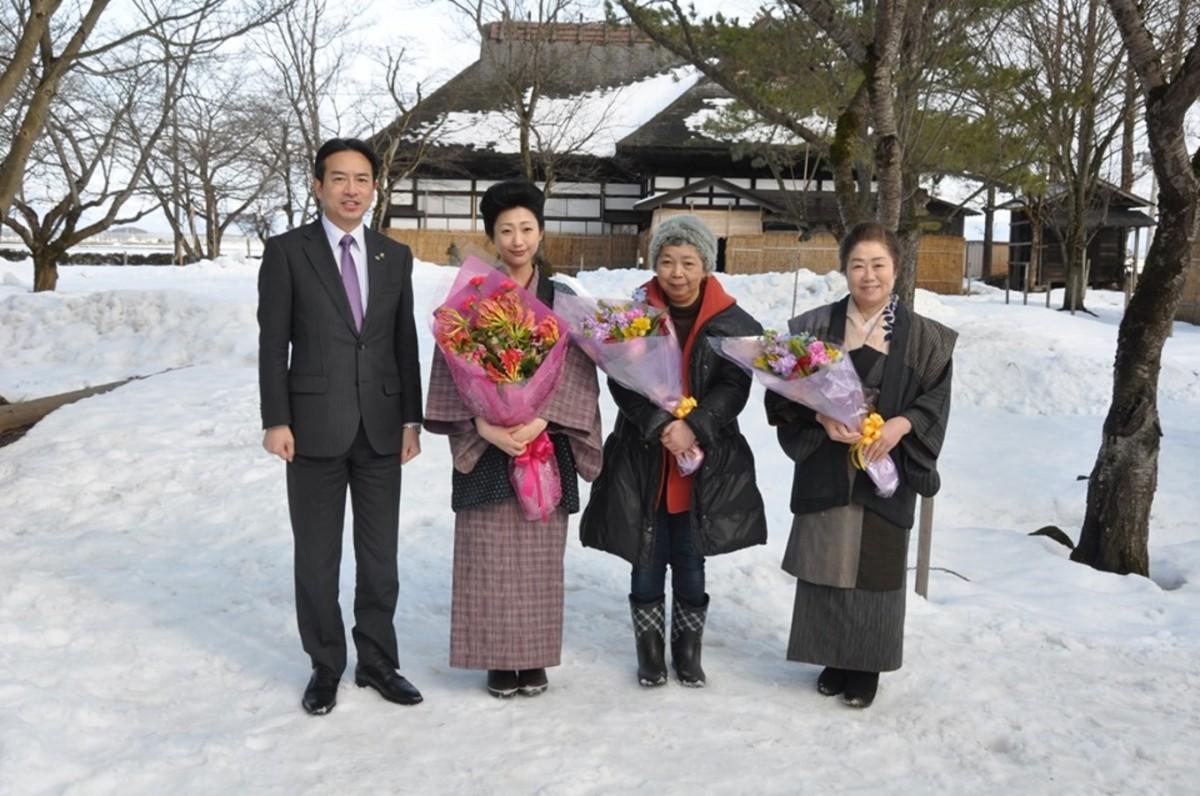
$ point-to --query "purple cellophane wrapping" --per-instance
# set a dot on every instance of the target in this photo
(835, 390)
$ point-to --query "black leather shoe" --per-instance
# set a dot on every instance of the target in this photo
(832, 681)
(390, 685)
(531, 682)
(860, 689)
(321, 693)
(502, 683)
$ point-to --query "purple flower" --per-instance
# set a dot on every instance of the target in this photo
(784, 365)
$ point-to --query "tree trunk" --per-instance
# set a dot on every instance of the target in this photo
(989, 233)
(880, 77)
(12, 169)
(1075, 249)
(850, 127)
(1128, 124)
(526, 153)
(45, 269)
(21, 59)
(906, 273)
(1116, 528)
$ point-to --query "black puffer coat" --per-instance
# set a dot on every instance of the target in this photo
(727, 509)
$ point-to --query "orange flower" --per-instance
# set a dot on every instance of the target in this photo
(511, 359)
(493, 374)
(547, 330)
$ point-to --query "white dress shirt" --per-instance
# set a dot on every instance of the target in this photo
(358, 253)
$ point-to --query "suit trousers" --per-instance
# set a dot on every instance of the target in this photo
(317, 504)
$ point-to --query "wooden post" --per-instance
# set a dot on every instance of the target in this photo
(924, 543)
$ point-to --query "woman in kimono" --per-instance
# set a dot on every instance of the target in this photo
(507, 597)
(641, 508)
(849, 547)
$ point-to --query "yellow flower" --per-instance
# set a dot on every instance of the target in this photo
(685, 407)
(640, 326)
(871, 430)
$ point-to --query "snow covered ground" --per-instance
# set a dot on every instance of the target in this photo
(147, 633)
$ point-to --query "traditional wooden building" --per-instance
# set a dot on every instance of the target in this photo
(1038, 248)
(637, 150)
(1189, 305)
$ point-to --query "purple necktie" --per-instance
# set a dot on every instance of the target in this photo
(350, 282)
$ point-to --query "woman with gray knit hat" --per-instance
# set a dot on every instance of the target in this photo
(641, 508)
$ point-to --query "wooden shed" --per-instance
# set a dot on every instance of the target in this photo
(1040, 251)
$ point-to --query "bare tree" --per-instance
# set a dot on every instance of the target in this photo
(217, 160)
(34, 59)
(87, 167)
(50, 41)
(401, 146)
(1074, 106)
(105, 121)
(305, 52)
(1116, 527)
(259, 219)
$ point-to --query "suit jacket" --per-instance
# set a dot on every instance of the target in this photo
(336, 377)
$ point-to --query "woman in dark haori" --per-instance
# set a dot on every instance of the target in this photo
(641, 508)
(507, 596)
(849, 547)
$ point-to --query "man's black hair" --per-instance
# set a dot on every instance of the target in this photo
(335, 145)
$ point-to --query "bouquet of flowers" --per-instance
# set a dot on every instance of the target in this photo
(505, 351)
(820, 376)
(635, 344)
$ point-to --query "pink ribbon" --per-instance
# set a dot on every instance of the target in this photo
(537, 453)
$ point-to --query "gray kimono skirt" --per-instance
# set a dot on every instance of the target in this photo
(835, 623)
(848, 547)
(507, 594)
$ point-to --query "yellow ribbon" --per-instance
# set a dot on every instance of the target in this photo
(685, 407)
(870, 432)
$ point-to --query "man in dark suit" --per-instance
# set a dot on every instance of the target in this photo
(343, 410)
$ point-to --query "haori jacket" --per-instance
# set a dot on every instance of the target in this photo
(916, 384)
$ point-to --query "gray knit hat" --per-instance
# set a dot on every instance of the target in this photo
(679, 230)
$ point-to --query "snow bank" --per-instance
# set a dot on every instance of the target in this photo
(147, 630)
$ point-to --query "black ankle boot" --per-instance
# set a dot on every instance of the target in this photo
(649, 623)
(861, 688)
(531, 682)
(687, 631)
(502, 683)
(832, 681)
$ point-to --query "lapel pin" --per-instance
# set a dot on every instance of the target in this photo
(379, 256)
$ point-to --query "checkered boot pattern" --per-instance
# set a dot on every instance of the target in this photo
(649, 631)
(687, 631)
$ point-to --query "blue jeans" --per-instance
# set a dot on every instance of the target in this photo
(674, 545)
